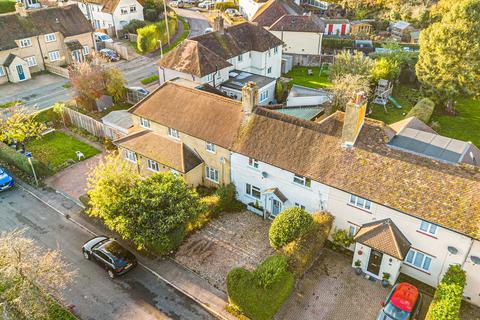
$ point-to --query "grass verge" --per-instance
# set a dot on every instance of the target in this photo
(150, 79)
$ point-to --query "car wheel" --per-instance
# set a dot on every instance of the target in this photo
(86, 255)
(111, 274)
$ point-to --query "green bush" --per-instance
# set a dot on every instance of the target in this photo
(301, 253)
(147, 39)
(152, 10)
(134, 25)
(227, 199)
(282, 88)
(342, 239)
(336, 43)
(384, 68)
(150, 79)
(19, 161)
(289, 225)
(222, 6)
(423, 110)
(260, 302)
(448, 296)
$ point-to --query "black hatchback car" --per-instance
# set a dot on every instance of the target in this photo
(109, 254)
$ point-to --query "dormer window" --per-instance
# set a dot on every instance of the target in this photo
(25, 43)
(173, 133)
(50, 37)
(211, 147)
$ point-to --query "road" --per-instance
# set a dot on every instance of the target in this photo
(138, 295)
(198, 22)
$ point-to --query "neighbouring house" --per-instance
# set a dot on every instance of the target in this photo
(210, 57)
(360, 28)
(273, 10)
(336, 27)
(42, 39)
(410, 197)
(401, 31)
(112, 15)
(248, 8)
(238, 79)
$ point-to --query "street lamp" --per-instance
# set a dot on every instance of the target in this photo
(29, 158)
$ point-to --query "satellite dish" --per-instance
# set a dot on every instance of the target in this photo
(475, 259)
(264, 174)
(452, 250)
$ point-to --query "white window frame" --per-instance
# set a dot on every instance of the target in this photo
(2, 71)
(275, 50)
(360, 202)
(54, 55)
(240, 58)
(302, 181)
(144, 123)
(27, 42)
(31, 61)
(134, 8)
(298, 205)
(211, 174)
(153, 165)
(418, 259)
(51, 37)
(123, 10)
(269, 70)
(209, 77)
(210, 147)
(253, 163)
(352, 229)
(428, 228)
(130, 156)
(173, 133)
(252, 191)
(85, 50)
(263, 95)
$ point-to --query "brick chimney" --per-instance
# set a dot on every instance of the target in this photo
(354, 118)
(249, 97)
(218, 24)
(21, 9)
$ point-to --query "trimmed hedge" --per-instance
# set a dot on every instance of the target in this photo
(19, 161)
(423, 110)
(259, 294)
(448, 296)
(288, 226)
(301, 253)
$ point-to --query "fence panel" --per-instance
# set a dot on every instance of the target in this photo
(63, 72)
(85, 122)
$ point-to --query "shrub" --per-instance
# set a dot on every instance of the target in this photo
(282, 89)
(147, 39)
(342, 239)
(222, 6)
(135, 24)
(384, 68)
(448, 296)
(227, 199)
(260, 302)
(423, 110)
(336, 43)
(302, 253)
(289, 225)
(150, 79)
(19, 161)
(152, 10)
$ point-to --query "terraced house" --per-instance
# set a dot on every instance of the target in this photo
(34, 40)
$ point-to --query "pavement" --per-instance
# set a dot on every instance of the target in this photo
(197, 21)
(156, 289)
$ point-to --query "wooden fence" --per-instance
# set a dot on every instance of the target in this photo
(62, 72)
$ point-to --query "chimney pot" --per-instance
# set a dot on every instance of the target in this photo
(249, 97)
(218, 24)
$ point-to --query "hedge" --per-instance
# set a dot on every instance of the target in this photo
(19, 161)
(447, 300)
(289, 225)
(259, 294)
(222, 6)
(423, 110)
(301, 253)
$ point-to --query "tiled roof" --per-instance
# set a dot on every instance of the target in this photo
(384, 236)
(109, 6)
(437, 192)
(201, 114)
(296, 23)
(171, 153)
(411, 122)
(68, 20)
(274, 10)
(191, 57)
(9, 60)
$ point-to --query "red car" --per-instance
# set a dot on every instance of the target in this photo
(402, 303)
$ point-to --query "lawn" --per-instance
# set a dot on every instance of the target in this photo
(406, 95)
(7, 6)
(57, 150)
(300, 77)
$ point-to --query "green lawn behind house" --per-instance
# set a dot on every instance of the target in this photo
(316, 80)
(7, 6)
(57, 150)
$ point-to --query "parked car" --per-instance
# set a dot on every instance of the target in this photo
(402, 303)
(207, 30)
(206, 4)
(6, 181)
(110, 255)
(140, 90)
(100, 36)
(232, 13)
(109, 55)
(177, 4)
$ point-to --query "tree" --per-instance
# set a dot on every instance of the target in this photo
(153, 9)
(135, 24)
(346, 63)
(384, 68)
(115, 84)
(147, 39)
(20, 127)
(347, 86)
(59, 108)
(28, 274)
(449, 60)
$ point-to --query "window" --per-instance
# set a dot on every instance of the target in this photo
(269, 53)
(360, 202)
(173, 133)
(144, 123)
(269, 70)
(2, 71)
(31, 61)
(253, 163)
(298, 205)
(153, 165)
(428, 227)
(85, 50)
(352, 230)
(124, 10)
(302, 181)
(50, 37)
(275, 50)
(210, 77)
(25, 43)
(264, 95)
(240, 58)
(130, 156)
(211, 174)
(418, 259)
(210, 147)
(133, 9)
(253, 191)
(54, 55)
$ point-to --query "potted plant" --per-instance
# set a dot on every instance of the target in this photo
(358, 267)
(385, 278)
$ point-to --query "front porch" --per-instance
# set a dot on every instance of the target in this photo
(272, 202)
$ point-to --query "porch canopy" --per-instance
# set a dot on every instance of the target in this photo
(384, 236)
(280, 196)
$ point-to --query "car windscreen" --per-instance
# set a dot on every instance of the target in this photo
(395, 312)
(104, 37)
(117, 252)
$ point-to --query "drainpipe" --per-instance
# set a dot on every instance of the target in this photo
(41, 53)
(468, 252)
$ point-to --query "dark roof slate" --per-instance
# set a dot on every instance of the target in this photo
(295, 23)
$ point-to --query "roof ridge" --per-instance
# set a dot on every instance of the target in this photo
(213, 95)
(390, 227)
